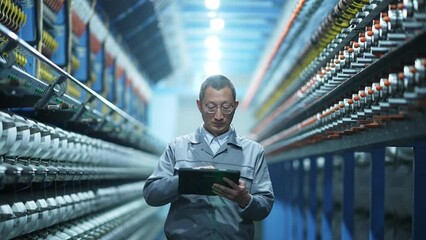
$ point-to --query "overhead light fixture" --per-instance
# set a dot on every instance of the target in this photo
(214, 54)
(212, 14)
(211, 68)
(212, 42)
(212, 4)
(217, 24)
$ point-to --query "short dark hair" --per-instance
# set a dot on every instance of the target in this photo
(217, 82)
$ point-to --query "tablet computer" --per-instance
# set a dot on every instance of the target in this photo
(200, 181)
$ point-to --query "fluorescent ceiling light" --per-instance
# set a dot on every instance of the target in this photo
(212, 14)
(217, 24)
(214, 54)
(212, 4)
(212, 42)
(211, 68)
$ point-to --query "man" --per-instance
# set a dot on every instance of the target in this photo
(230, 213)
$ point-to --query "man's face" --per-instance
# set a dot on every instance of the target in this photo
(217, 110)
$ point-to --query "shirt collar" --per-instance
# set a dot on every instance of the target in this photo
(221, 138)
(198, 136)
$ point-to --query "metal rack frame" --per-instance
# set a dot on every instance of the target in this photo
(302, 166)
(132, 132)
(382, 65)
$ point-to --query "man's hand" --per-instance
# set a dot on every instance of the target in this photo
(236, 193)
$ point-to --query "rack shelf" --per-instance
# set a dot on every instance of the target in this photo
(392, 60)
(41, 100)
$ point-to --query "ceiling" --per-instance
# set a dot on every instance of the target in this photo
(166, 38)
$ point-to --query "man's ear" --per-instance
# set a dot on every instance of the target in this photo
(236, 104)
(199, 105)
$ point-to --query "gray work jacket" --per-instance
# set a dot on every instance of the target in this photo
(210, 217)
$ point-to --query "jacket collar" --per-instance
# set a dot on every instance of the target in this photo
(197, 137)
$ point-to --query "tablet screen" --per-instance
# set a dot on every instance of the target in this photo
(200, 181)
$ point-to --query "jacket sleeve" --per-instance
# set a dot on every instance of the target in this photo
(162, 186)
(262, 193)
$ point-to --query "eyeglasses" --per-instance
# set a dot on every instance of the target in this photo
(225, 108)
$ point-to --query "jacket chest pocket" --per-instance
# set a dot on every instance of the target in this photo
(185, 164)
(189, 163)
(190, 157)
(247, 175)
